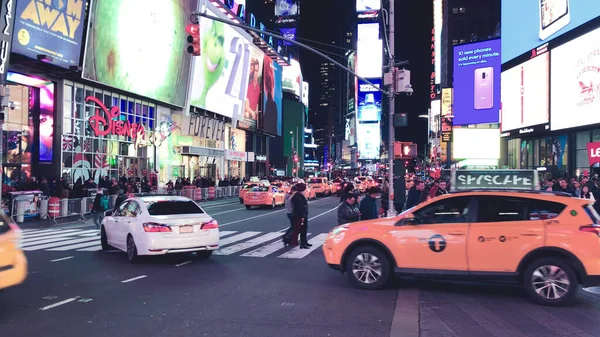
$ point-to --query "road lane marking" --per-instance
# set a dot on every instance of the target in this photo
(297, 253)
(56, 244)
(266, 214)
(52, 234)
(236, 238)
(267, 250)
(63, 258)
(233, 210)
(225, 233)
(75, 246)
(320, 215)
(134, 279)
(69, 300)
(248, 244)
(183, 263)
(92, 249)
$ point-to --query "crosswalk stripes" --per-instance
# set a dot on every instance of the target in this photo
(232, 243)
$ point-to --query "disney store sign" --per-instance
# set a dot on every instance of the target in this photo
(106, 122)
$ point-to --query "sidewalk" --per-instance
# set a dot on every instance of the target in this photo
(76, 221)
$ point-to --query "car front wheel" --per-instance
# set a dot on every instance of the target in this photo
(368, 268)
(550, 281)
(104, 239)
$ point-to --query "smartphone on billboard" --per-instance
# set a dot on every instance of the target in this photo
(484, 88)
(554, 15)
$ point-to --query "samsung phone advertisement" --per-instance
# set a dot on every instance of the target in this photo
(575, 82)
(369, 139)
(529, 24)
(369, 100)
(525, 90)
(54, 29)
(477, 68)
(219, 73)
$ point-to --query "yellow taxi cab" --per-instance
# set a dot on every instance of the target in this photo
(334, 188)
(264, 196)
(320, 185)
(245, 189)
(310, 193)
(494, 226)
(13, 264)
(337, 186)
(282, 185)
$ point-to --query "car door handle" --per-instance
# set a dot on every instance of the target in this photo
(457, 233)
(530, 234)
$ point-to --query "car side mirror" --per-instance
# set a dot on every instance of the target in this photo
(108, 213)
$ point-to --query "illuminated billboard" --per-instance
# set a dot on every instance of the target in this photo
(367, 5)
(369, 58)
(367, 31)
(438, 16)
(292, 78)
(117, 54)
(487, 145)
(369, 101)
(288, 33)
(305, 93)
(529, 24)
(53, 29)
(220, 76)
(369, 139)
(286, 8)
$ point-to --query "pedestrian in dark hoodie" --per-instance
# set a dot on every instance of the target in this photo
(299, 218)
(368, 205)
(348, 211)
(290, 210)
(414, 194)
(121, 197)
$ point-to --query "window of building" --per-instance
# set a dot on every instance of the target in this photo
(582, 138)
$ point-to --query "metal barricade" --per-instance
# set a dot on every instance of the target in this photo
(218, 192)
(24, 207)
(72, 207)
(187, 192)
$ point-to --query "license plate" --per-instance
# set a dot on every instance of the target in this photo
(186, 229)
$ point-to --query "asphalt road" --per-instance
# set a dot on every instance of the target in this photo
(254, 288)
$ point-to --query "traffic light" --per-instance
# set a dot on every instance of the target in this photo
(193, 38)
(405, 150)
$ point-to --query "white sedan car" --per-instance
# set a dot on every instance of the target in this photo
(157, 225)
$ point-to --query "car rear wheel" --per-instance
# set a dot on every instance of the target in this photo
(550, 281)
(204, 254)
(104, 239)
(132, 252)
(368, 268)
(248, 207)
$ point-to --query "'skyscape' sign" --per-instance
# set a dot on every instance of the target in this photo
(495, 179)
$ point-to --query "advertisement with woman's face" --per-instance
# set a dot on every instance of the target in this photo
(272, 96)
(252, 104)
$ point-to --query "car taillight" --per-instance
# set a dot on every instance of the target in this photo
(153, 227)
(591, 229)
(212, 224)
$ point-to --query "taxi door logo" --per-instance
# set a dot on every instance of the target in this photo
(58, 16)
(437, 243)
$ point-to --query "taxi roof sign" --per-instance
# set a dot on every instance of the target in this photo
(495, 180)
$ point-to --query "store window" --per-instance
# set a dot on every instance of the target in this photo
(17, 135)
(581, 159)
(98, 150)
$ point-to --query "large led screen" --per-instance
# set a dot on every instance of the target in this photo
(221, 71)
(253, 93)
(525, 90)
(272, 96)
(368, 5)
(369, 139)
(49, 28)
(286, 8)
(292, 78)
(575, 82)
(367, 31)
(529, 24)
(477, 70)
(288, 33)
(140, 47)
(369, 61)
(369, 100)
(476, 143)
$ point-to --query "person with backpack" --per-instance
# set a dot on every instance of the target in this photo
(99, 207)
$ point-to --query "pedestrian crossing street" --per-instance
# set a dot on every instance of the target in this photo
(247, 243)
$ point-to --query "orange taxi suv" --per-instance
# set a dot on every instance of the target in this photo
(494, 226)
(13, 264)
(320, 185)
(262, 196)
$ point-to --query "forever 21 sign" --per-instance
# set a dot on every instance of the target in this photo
(205, 127)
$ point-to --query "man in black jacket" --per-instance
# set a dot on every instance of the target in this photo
(299, 218)
(368, 206)
(414, 194)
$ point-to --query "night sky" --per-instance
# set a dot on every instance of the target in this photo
(414, 21)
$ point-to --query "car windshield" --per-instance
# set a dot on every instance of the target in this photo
(260, 189)
(172, 207)
(248, 186)
(315, 181)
